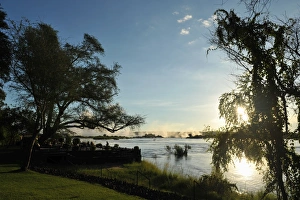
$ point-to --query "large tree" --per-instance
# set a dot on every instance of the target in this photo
(5, 60)
(65, 85)
(269, 55)
(5, 56)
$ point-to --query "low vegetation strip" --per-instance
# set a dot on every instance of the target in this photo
(120, 186)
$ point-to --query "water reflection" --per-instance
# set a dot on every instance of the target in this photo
(244, 167)
(245, 175)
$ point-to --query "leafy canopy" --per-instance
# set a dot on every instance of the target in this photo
(65, 85)
(5, 56)
(269, 56)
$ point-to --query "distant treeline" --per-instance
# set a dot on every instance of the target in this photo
(213, 134)
(203, 135)
(149, 135)
(207, 134)
(116, 137)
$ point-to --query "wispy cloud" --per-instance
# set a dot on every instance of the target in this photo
(175, 13)
(185, 18)
(185, 31)
(208, 22)
(191, 42)
(187, 8)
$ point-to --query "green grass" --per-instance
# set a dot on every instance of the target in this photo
(142, 172)
(32, 185)
(167, 180)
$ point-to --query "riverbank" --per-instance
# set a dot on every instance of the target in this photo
(10, 157)
(152, 181)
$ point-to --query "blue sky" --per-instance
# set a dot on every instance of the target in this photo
(161, 45)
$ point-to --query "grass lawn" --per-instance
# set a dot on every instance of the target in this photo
(32, 185)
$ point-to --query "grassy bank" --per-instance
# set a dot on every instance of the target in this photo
(32, 185)
(147, 174)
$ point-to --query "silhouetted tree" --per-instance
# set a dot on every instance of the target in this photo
(5, 56)
(5, 60)
(65, 85)
(270, 58)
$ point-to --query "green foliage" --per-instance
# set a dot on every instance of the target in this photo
(215, 185)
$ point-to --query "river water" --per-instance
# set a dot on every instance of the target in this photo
(197, 162)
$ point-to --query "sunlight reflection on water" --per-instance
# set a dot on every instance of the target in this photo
(244, 168)
(245, 175)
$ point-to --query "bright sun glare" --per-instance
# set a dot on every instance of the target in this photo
(243, 167)
(242, 114)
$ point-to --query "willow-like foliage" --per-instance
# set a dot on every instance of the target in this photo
(268, 84)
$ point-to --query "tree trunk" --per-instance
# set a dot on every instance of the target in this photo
(280, 181)
(43, 138)
(279, 171)
(47, 133)
(27, 153)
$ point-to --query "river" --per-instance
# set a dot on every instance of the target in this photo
(197, 162)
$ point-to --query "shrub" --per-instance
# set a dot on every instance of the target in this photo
(93, 146)
(215, 186)
(178, 150)
(76, 141)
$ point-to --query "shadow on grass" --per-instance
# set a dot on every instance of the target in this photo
(7, 168)
(12, 171)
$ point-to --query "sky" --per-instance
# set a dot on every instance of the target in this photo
(161, 45)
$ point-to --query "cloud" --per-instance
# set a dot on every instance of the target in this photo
(208, 22)
(185, 31)
(187, 17)
(175, 13)
(186, 7)
(191, 42)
